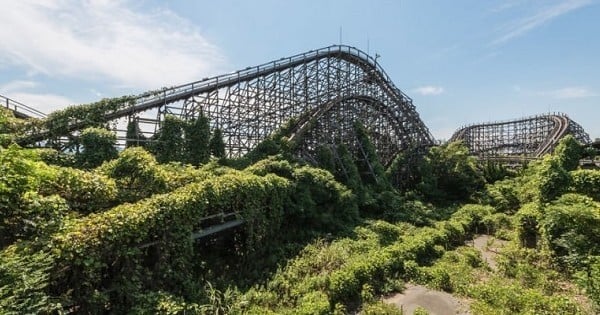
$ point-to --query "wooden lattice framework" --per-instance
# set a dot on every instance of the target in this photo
(520, 139)
(327, 89)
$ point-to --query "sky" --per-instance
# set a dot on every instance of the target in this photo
(462, 61)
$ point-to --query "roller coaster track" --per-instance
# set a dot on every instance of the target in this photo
(521, 139)
(337, 85)
(19, 109)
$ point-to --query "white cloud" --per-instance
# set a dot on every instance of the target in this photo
(17, 85)
(96, 93)
(539, 18)
(506, 5)
(429, 90)
(107, 41)
(570, 93)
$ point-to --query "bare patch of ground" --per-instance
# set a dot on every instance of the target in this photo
(442, 303)
(435, 302)
(488, 246)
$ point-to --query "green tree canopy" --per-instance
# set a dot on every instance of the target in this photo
(98, 146)
(169, 140)
(197, 139)
(449, 172)
(217, 145)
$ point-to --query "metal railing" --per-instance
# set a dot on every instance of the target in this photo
(176, 93)
(167, 95)
(21, 110)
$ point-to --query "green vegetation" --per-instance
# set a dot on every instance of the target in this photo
(197, 135)
(88, 115)
(134, 136)
(449, 173)
(98, 146)
(102, 231)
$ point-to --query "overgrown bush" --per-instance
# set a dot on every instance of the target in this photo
(23, 212)
(568, 152)
(571, 227)
(101, 251)
(526, 221)
(514, 299)
(136, 173)
(318, 201)
(544, 181)
(348, 270)
(87, 115)
(503, 195)
(449, 172)
(84, 191)
(98, 146)
(55, 157)
(98, 261)
(24, 279)
(586, 182)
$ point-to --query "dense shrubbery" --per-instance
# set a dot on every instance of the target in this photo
(97, 259)
(116, 237)
(88, 115)
(85, 192)
(173, 217)
(12, 128)
(24, 213)
(586, 182)
(187, 141)
(24, 279)
(553, 217)
(570, 229)
(347, 269)
(543, 180)
(316, 201)
(96, 262)
(98, 146)
(449, 173)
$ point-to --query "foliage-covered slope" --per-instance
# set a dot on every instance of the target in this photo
(117, 234)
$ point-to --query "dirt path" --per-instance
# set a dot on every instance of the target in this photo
(488, 246)
(435, 302)
(442, 303)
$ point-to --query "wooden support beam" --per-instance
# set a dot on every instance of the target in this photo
(216, 228)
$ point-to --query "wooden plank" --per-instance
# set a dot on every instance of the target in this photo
(203, 233)
(216, 228)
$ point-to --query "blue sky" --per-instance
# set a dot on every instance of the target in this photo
(461, 61)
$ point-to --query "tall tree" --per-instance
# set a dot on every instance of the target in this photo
(217, 145)
(449, 172)
(325, 158)
(347, 172)
(197, 138)
(369, 166)
(134, 136)
(569, 152)
(169, 140)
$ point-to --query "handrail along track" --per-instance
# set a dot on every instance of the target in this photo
(520, 139)
(250, 104)
(20, 110)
